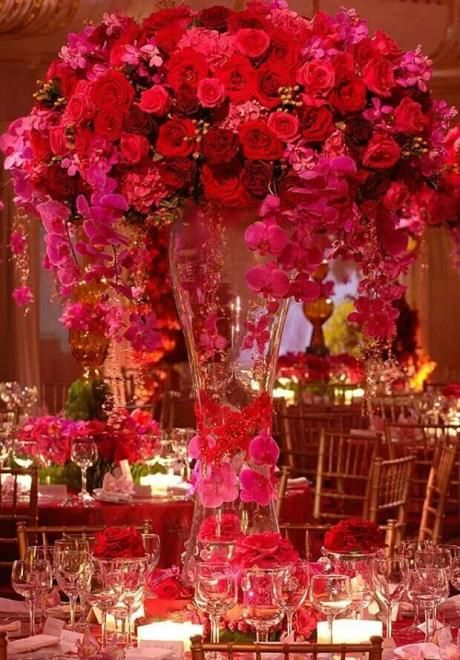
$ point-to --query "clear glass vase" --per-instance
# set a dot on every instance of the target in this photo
(232, 335)
(358, 566)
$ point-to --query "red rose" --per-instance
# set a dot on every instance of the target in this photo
(214, 18)
(168, 38)
(174, 16)
(344, 66)
(155, 100)
(284, 125)
(210, 92)
(220, 145)
(385, 45)
(223, 184)
(80, 107)
(365, 51)
(66, 76)
(270, 78)
(137, 121)
(116, 542)
(349, 95)
(176, 173)
(316, 123)
(284, 50)
(382, 152)
(186, 100)
(379, 77)
(252, 43)
(57, 183)
(167, 589)
(187, 67)
(354, 535)
(109, 123)
(57, 140)
(258, 142)
(112, 90)
(238, 77)
(397, 196)
(317, 77)
(409, 117)
(176, 138)
(83, 140)
(248, 18)
(257, 177)
(40, 146)
(133, 148)
(264, 550)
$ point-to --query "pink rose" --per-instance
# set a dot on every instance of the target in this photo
(284, 125)
(133, 148)
(251, 42)
(317, 77)
(210, 92)
(155, 100)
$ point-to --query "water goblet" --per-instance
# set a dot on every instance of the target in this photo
(84, 454)
(429, 587)
(215, 593)
(29, 580)
(132, 573)
(38, 555)
(389, 584)
(70, 565)
(104, 589)
(291, 589)
(24, 452)
(331, 594)
(435, 556)
(260, 607)
(152, 547)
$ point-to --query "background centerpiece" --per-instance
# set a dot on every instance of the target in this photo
(272, 142)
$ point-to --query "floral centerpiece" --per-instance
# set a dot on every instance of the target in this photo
(118, 543)
(354, 535)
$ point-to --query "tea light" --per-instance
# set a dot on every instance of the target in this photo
(349, 631)
(169, 631)
(161, 483)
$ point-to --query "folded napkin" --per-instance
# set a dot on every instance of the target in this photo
(111, 496)
(113, 483)
(10, 627)
(22, 485)
(31, 644)
(298, 481)
(149, 653)
(9, 606)
(89, 647)
(452, 603)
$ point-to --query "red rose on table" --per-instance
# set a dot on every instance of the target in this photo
(316, 123)
(349, 95)
(382, 152)
(109, 123)
(155, 100)
(176, 138)
(409, 117)
(270, 77)
(258, 142)
(133, 148)
(112, 90)
(176, 173)
(187, 67)
(167, 589)
(220, 145)
(214, 18)
(251, 42)
(284, 125)
(379, 76)
(116, 542)
(317, 77)
(223, 184)
(354, 535)
(238, 77)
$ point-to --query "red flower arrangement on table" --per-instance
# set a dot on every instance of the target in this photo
(118, 543)
(354, 535)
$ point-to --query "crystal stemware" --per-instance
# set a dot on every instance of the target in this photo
(331, 594)
(260, 607)
(131, 574)
(104, 589)
(84, 454)
(28, 580)
(215, 593)
(36, 555)
(70, 565)
(429, 587)
(291, 589)
(24, 452)
(389, 584)
(152, 547)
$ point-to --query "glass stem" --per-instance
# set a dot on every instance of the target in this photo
(72, 606)
(428, 613)
(83, 481)
(262, 634)
(289, 619)
(32, 616)
(330, 621)
(129, 611)
(215, 633)
(389, 620)
(104, 629)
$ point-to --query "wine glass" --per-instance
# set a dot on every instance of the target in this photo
(36, 555)
(455, 569)
(152, 547)
(429, 587)
(84, 454)
(70, 564)
(104, 589)
(435, 556)
(408, 550)
(291, 589)
(131, 574)
(389, 584)
(29, 580)
(215, 593)
(180, 438)
(260, 607)
(24, 452)
(331, 594)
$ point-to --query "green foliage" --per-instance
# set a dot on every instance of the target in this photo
(86, 399)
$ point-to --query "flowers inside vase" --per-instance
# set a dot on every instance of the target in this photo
(354, 535)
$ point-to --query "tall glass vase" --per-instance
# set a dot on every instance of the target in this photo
(232, 335)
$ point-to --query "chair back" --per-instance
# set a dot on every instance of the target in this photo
(343, 474)
(53, 396)
(18, 503)
(437, 489)
(177, 411)
(372, 650)
(3, 646)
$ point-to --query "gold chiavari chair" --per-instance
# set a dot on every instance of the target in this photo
(39, 534)
(177, 410)
(3, 646)
(53, 396)
(343, 474)
(371, 650)
(437, 489)
(282, 489)
(16, 505)
(389, 491)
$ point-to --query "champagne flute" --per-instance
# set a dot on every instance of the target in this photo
(389, 584)
(215, 593)
(152, 547)
(331, 594)
(28, 581)
(70, 564)
(131, 573)
(84, 454)
(260, 608)
(38, 555)
(291, 589)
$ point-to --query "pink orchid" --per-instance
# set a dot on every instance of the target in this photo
(210, 339)
(266, 237)
(257, 333)
(194, 450)
(268, 279)
(304, 289)
(23, 295)
(255, 487)
(263, 449)
(219, 485)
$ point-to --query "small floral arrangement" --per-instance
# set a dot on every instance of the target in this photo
(354, 535)
(166, 584)
(264, 550)
(118, 542)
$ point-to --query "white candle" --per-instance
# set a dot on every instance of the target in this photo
(349, 631)
(160, 483)
(169, 631)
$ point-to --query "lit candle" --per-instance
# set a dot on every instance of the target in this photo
(161, 483)
(349, 631)
(169, 631)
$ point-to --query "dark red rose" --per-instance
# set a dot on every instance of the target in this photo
(137, 121)
(83, 140)
(386, 46)
(133, 148)
(382, 152)
(176, 173)
(80, 106)
(220, 145)
(238, 77)
(349, 95)
(375, 186)
(284, 50)
(186, 100)
(344, 66)
(112, 90)
(114, 542)
(57, 183)
(167, 589)
(365, 51)
(58, 141)
(186, 67)
(172, 16)
(358, 131)
(256, 178)
(379, 77)
(168, 38)
(109, 123)
(66, 76)
(214, 18)
(316, 123)
(409, 117)
(354, 535)
(258, 142)
(176, 138)
(270, 77)
(40, 144)
(248, 18)
(397, 196)
(223, 184)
